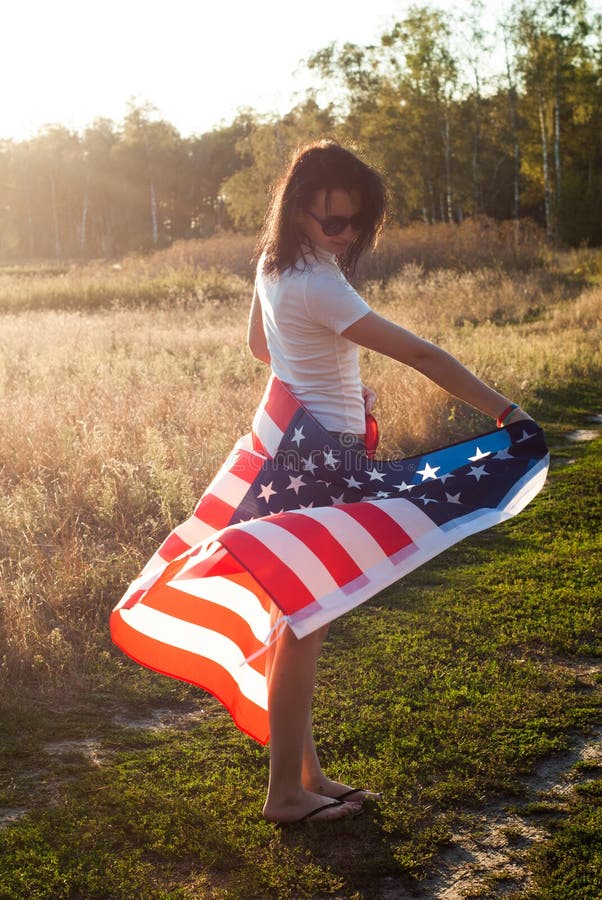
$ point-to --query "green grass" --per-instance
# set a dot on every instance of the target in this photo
(569, 864)
(441, 692)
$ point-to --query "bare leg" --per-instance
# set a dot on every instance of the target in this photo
(316, 781)
(313, 777)
(291, 673)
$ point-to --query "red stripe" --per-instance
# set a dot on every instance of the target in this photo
(213, 511)
(203, 612)
(258, 446)
(219, 563)
(287, 589)
(322, 544)
(246, 465)
(222, 564)
(133, 600)
(190, 667)
(385, 530)
(280, 404)
(172, 546)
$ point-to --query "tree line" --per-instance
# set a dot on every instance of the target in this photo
(453, 138)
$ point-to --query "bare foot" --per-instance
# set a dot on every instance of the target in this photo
(304, 806)
(329, 788)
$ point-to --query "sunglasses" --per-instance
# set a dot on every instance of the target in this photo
(333, 225)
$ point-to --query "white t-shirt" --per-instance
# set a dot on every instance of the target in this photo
(304, 313)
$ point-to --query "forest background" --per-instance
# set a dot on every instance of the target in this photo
(453, 140)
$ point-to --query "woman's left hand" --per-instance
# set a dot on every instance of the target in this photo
(369, 398)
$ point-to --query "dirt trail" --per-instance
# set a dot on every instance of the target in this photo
(495, 841)
(486, 857)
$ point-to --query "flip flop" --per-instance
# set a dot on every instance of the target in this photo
(314, 812)
(371, 795)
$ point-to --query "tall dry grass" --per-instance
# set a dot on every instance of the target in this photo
(115, 419)
(219, 268)
(476, 242)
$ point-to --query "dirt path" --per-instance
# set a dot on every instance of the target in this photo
(486, 857)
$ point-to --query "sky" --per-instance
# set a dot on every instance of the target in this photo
(196, 61)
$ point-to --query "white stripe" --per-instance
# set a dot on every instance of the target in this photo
(408, 516)
(267, 431)
(229, 488)
(230, 595)
(383, 574)
(144, 580)
(194, 531)
(296, 555)
(359, 543)
(208, 530)
(230, 463)
(201, 641)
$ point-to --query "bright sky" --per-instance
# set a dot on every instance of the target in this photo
(197, 61)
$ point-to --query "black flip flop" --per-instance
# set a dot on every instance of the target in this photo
(349, 793)
(314, 812)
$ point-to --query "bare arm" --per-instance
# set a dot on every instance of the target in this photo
(377, 333)
(256, 339)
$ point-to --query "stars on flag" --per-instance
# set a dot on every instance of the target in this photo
(309, 465)
(478, 472)
(327, 476)
(298, 436)
(295, 483)
(428, 471)
(266, 492)
(479, 455)
(453, 498)
(330, 461)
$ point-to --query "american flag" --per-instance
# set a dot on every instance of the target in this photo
(297, 517)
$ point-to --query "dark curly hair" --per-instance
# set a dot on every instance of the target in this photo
(321, 165)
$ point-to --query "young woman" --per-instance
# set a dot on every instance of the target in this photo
(306, 322)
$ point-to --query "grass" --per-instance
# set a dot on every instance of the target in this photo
(441, 691)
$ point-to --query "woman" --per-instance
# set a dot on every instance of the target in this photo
(307, 322)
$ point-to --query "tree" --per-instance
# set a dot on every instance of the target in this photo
(549, 40)
(427, 80)
(265, 151)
